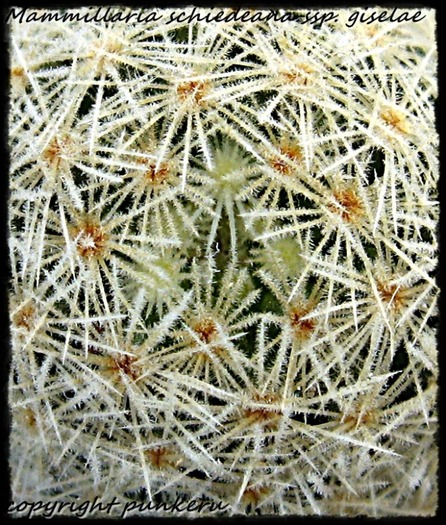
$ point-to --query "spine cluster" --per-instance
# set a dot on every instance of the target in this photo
(223, 264)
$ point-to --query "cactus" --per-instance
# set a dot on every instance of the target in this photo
(223, 263)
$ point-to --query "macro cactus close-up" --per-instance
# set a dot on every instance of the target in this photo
(223, 262)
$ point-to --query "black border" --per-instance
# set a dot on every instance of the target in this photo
(4, 257)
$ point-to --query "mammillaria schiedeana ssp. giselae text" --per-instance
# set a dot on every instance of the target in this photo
(223, 263)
